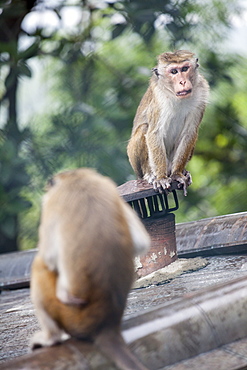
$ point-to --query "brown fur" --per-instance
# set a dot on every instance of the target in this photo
(84, 269)
(166, 124)
(177, 56)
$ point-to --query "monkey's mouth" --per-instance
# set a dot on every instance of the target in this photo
(184, 92)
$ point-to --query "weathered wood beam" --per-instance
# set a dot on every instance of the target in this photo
(212, 236)
(194, 324)
(137, 189)
(206, 237)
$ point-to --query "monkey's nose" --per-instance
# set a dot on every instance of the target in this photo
(182, 83)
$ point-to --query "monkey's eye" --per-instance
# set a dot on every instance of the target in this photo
(174, 71)
(185, 69)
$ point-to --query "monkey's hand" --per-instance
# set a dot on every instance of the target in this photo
(162, 184)
(183, 180)
(149, 177)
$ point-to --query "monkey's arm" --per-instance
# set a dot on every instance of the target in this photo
(157, 160)
(182, 156)
(140, 237)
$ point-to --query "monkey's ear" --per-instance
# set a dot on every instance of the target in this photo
(155, 70)
(197, 65)
(51, 182)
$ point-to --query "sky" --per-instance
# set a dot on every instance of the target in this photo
(237, 40)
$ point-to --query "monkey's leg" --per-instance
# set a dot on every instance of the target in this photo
(50, 334)
(43, 284)
(138, 154)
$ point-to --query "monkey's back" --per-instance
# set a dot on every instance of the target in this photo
(93, 251)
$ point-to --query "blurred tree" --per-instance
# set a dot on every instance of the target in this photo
(12, 166)
(102, 69)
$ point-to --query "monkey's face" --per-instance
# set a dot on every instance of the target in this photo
(181, 78)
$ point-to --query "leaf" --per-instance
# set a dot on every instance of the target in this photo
(9, 47)
(118, 30)
(23, 69)
(31, 51)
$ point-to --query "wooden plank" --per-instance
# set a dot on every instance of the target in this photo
(175, 331)
(229, 357)
(15, 269)
(138, 189)
(210, 236)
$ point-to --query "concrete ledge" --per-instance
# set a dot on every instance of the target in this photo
(178, 330)
(167, 273)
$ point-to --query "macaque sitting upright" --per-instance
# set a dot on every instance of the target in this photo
(84, 268)
(165, 127)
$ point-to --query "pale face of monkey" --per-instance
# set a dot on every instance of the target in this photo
(180, 77)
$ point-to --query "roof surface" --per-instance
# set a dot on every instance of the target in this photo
(18, 321)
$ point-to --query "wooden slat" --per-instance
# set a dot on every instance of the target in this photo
(175, 331)
(210, 236)
(15, 269)
(138, 189)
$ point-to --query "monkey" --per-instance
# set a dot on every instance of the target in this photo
(165, 127)
(84, 267)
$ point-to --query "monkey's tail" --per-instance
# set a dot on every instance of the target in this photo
(111, 344)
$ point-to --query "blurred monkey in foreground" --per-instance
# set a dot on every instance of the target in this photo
(165, 127)
(84, 268)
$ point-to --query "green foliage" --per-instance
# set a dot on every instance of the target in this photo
(13, 178)
(74, 139)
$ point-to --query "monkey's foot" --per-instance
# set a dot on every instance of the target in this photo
(188, 176)
(41, 339)
(183, 181)
(162, 184)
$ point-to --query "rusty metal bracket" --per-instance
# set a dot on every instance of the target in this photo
(146, 201)
(154, 206)
(155, 211)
